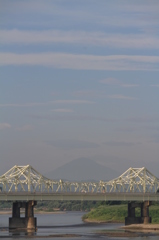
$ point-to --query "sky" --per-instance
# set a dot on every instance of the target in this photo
(79, 78)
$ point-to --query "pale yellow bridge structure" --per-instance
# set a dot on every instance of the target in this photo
(25, 186)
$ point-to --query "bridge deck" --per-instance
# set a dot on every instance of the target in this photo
(38, 196)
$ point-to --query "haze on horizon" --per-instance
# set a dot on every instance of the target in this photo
(79, 79)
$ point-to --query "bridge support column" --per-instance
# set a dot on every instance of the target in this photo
(27, 222)
(145, 212)
(144, 218)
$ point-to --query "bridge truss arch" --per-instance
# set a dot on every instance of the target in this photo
(28, 179)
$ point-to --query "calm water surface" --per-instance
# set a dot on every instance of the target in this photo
(63, 223)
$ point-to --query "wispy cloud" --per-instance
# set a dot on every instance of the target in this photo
(4, 126)
(33, 104)
(62, 110)
(154, 85)
(100, 13)
(22, 105)
(122, 97)
(83, 62)
(116, 82)
(127, 129)
(25, 128)
(143, 119)
(120, 143)
(79, 37)
(87, 93)
(73, 101)
(110, 81)
(130, 85)
(155, 139)
(72, 118)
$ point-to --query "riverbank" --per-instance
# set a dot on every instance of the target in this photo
(133, 230)
(5, 212)
(36, 212)
(127, 233)
(47, 212)
(145, 227)
(116, 214)
(106, 214)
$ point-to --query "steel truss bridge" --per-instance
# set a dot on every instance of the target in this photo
(24, 183)
(25, 186)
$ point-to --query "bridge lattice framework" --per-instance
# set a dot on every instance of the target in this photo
(28, 179)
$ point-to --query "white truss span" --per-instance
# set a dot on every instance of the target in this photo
(27, 179)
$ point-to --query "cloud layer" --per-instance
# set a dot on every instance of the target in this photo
(4, 126)
(82, 62)
(136, 41)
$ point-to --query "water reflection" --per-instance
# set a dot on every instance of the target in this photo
(21, 232)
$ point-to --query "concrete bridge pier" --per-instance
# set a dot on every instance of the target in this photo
(27, 222)
(145, 212)
(144, 218)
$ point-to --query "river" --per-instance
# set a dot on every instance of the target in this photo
(64, 223)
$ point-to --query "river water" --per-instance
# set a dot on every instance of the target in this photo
(64, 223)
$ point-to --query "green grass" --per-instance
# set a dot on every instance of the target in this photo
(154, 213)
(117, 213)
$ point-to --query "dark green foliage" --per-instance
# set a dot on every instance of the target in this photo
(68, 205)
(154, 213)
(5, 205)
(117, 213)
(107, 213)
(65, 205)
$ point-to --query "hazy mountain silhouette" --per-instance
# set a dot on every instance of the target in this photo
(82, 169)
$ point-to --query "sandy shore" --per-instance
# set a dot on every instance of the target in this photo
(36, 212)
(119, 234)
(134, 230)
(44, 212)
(146, 227)
(95, 221)
(5, 212)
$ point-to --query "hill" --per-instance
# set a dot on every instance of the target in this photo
(82, 169)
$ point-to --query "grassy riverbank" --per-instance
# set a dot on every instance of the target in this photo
(116, 213)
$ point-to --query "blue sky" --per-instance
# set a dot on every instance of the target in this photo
(79, 78)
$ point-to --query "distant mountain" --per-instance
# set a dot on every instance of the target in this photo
(82, 169)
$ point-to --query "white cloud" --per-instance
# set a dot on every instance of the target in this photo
(83, 62)
(4, 126)
(79, 37)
